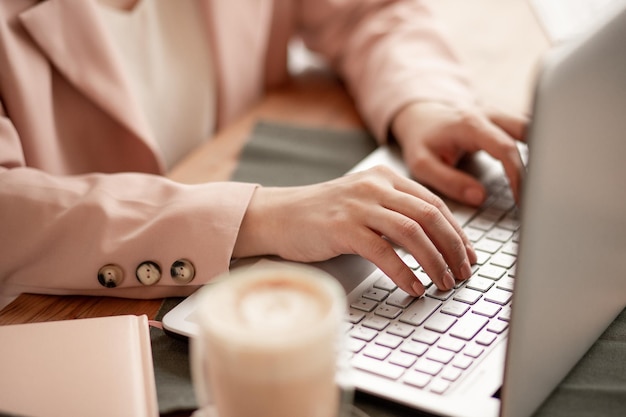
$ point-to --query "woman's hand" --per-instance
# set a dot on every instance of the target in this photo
(361, 213)
(435, 136)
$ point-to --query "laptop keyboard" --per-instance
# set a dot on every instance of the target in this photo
(430, 342)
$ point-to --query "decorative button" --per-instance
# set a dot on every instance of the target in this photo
(182, 271)
(110, 276)
(148, 273)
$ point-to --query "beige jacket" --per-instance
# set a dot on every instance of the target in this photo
(80, 179)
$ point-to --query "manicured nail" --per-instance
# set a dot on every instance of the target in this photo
(448, 280)
(466, 270)
(417, 288)
(471, 253)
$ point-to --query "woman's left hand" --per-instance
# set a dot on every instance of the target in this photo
(435, 136)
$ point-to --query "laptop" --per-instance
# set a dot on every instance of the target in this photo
(550, 276)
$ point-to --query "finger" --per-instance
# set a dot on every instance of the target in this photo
(437, 245)
(427, 234)
(514, 126)
(371, 246)
(497, 143)
(410, 235)
(410, 187)
(451, 182)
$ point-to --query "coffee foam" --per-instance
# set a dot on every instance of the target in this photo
(271, 306)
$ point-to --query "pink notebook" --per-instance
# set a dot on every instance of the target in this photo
(84, 367)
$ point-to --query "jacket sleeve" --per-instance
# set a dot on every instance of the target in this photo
(389, 53)
(89, 234)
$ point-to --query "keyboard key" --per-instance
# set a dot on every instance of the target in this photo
(482, 257)
(509, 223)
(354, 345)
(468, 326)
(428, 367)
(377, 352)
(377, 367)
(423, 277)
(425, 336)
(355, 316)
(375, 322)
(454, 308)
(364, 305)
(385, 283)
(468, 296)
(439, 386)
(363, 333)
(485, 338)
(388, 311)
(451, 374)
(486, 309)
(462, 362)
(461, 212)
(492, 272)
(510, 248)
(473, 234)
(500, 235)
(479, 283)
(482, 223)
(439, 323)
(512, 271)
(506, 283)
(375, 294)
(400, 329)
(498, 296)
(410, 261)
(473, 351)
(503, 203)
(504, 260)
(419, 311)
(399, 298)
(451, 344)
(417, 379)
(488, 245)
(389, 340)
(414, 348)
(440, 355)
(434, 292)
(402, 359)
(497, 326)
(506, 314)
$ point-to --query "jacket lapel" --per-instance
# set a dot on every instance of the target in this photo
(239, 34)
(74, 40)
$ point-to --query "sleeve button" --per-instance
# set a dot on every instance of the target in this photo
(183, 271)
(110, 276)
(148, 273)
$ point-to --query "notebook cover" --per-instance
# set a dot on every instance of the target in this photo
(84, 367)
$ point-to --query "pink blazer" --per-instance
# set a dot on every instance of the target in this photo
(84, 208)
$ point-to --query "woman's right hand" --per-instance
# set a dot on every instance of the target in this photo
(365, 214)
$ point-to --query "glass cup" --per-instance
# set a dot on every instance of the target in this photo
(270, 344)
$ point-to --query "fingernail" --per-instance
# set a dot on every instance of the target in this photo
(473, 196)
(466, 270)
(471, 253)
(417, 288)
(448, 281)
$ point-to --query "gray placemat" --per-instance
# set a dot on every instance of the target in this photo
(285, 155)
